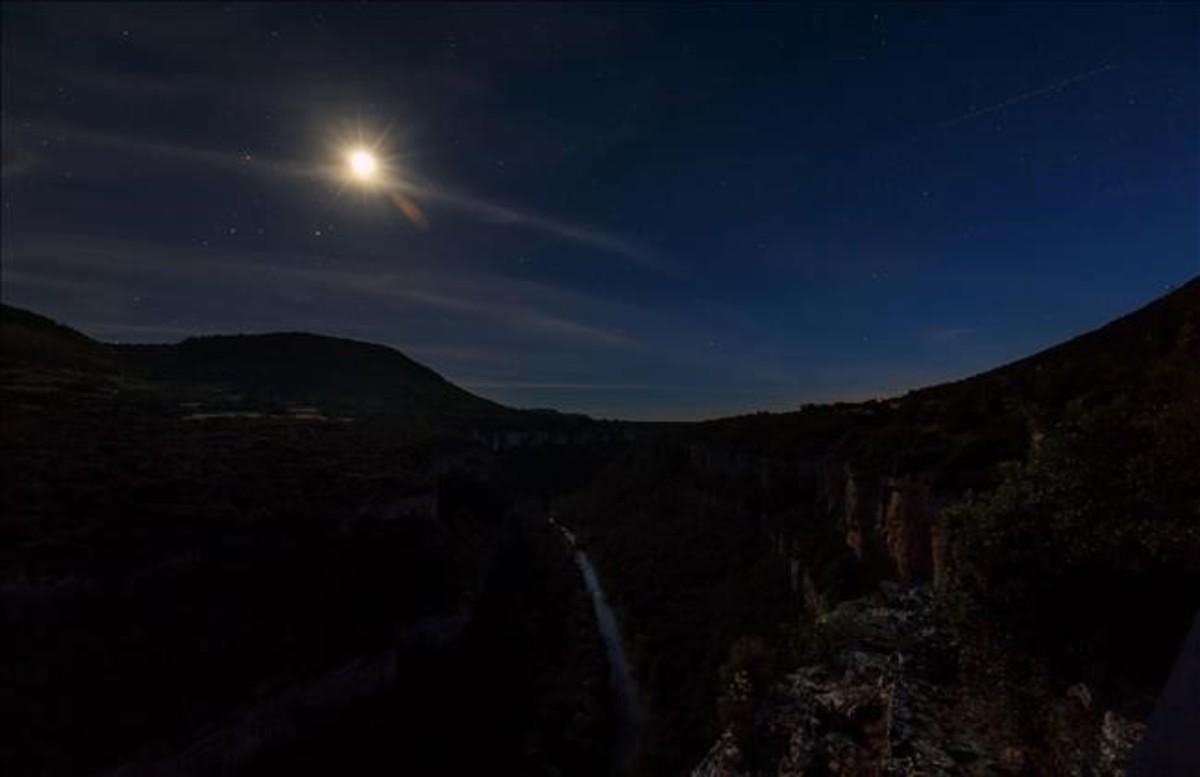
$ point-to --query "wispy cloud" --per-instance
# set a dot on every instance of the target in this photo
(40, 261)
(256, 164)
(512, 340)
(502, 214)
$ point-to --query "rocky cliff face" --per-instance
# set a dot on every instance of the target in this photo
(884, 698)
(888, 522)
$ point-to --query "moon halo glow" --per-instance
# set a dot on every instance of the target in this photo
(367, 167)
(363, 165)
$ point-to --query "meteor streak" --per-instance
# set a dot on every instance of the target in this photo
(1054, 87)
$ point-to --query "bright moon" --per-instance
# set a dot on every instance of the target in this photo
(363, 165)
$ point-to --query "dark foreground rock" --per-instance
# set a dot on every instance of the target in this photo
(887, 698)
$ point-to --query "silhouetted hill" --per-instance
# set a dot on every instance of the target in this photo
(1148, 355)
(955, 431)
(29, 338)
(211, 551)
(304, 367)
(250, 371)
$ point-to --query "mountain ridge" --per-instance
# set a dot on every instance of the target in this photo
(380, 373)
(293, 367)
(214, 465)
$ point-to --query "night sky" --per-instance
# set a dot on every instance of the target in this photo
(662, 212)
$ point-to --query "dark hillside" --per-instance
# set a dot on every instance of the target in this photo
(208, 547)
(306, 368)
(1147, 357)
(252, 372)
(341, 489)
(29, 338)
(728, 530)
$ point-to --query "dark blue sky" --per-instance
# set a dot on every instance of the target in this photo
(664, 212)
